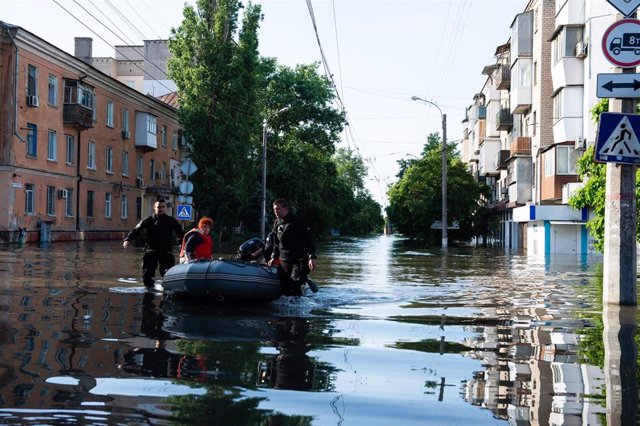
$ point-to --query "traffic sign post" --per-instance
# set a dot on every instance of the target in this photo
(621, 43)
(184, 212)
(618, 86)
(617, 140)
(626, 7)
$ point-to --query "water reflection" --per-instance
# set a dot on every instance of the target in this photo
(397, 334)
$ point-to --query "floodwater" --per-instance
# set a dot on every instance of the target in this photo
(397, 335)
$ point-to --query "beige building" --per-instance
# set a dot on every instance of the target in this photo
(83, 155)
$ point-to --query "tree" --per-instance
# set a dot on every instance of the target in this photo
(415, 200)
(218, 78)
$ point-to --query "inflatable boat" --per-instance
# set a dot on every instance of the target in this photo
(224, 279)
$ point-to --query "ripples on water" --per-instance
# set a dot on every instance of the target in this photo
(398, 334)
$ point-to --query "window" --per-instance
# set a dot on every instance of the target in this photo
(91, 155)
(152, 169)
(549, 163)
(124, 207)
(164, 136)
(557, 105)
(52, 98)
(125, 163)
(68, 203)
(566, 160)
(139, 166)
(107, 205)
(535, 123)
(89, 203)
(564, 45)
(94, 105)
(138, 208)
(51, 201)
(163, 172)
(535, 73)
(110, 114)
(109, 160)
(29, 198)
(174, 140)
(52, 146)
(32, 81)
(70, 150)
(32, 140)
(152, 124)
(125, 119)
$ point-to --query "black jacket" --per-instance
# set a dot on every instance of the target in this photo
(159, 232)
(292, 240)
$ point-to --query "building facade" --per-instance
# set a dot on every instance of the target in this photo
(83, 155)
(531, 123)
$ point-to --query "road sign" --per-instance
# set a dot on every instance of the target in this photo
(186, 187)
(188, 167)
(187, 199)
(626, 7)
(617, 140)
(621, 43)
(618, 85)
(184, 212)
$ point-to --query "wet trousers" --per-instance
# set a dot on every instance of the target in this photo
(150, 261)
(293, 276)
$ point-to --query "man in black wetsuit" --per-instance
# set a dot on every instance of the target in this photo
(293, 246)
(159, 227)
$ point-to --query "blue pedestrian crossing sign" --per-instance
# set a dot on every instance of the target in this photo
(184, 212)
(617, 140)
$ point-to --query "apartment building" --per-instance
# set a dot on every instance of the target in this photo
(530, 123)
(84, 156)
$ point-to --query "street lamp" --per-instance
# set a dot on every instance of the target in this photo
(445, 239)
(263, 218)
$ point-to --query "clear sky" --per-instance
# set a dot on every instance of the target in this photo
(380, 53)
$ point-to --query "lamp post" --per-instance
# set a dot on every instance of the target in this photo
(263, 218)
(445, 239)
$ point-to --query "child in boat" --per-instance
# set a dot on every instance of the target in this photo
(197, 244)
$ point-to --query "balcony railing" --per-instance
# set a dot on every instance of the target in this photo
(503, 78)
(77, 115)
(501, 159)
(504, 119)
(520, 145)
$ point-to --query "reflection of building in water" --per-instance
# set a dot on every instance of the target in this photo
(533, 375)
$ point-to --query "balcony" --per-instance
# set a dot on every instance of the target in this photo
(77, 115)
(503, 78)
(504, 119)
(501, 159)
(520, 145)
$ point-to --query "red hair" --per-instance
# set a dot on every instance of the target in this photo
(205, 221)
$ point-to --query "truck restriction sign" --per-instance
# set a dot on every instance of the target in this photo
(621, 43)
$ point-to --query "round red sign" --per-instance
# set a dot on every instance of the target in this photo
(621, 43)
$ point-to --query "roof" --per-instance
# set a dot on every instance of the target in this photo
(170, 99)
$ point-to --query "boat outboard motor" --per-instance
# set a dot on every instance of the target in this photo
(251, 250)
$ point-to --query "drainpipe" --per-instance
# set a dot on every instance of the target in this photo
(78, 181)
(15, 87)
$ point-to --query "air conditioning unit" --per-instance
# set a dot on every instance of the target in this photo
(33, 101)
(139, 182)
(63, 193)
(581, 49)
(125, 134)
(580, 143)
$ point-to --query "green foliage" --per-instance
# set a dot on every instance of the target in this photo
(226, 91)
(216, 69)
(415, 200)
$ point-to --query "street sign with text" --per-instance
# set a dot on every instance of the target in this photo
(621, 43)
(618, 86)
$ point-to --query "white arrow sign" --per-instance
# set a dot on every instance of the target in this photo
(626, 7)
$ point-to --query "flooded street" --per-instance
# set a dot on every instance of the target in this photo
(397, 334)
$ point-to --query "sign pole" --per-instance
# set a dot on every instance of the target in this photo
(620, 262)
